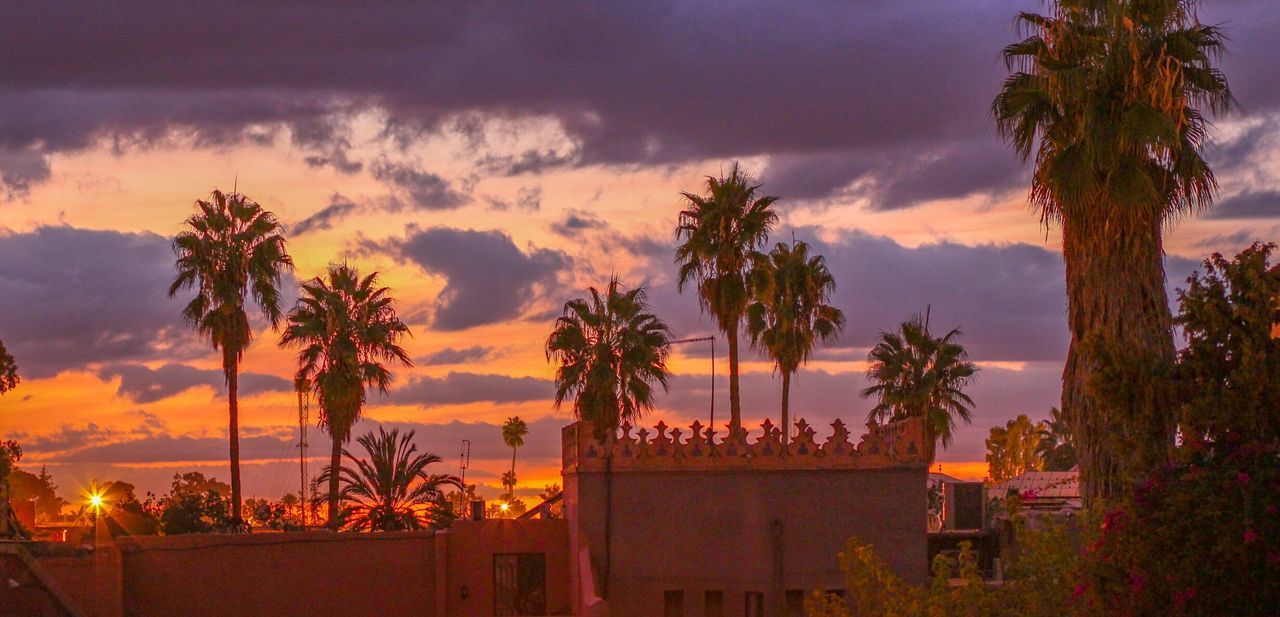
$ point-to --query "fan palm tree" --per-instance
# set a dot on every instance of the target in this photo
(611, 351)
(513, 432)
(231, 250)
(917, 375)
(720, 231)
(790, 312)
(1056, 447)
(346, 329)
(1109, 97)
(390, 490)
(8, 370)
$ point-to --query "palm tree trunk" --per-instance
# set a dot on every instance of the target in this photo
(230, 366)
(335, 462)
(735, 406)
(786, 416)
(1115, 387)
(513, 475)
(608, 524)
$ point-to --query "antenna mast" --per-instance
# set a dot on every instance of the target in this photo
(304, 405)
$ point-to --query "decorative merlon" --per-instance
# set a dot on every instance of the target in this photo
(895, 444)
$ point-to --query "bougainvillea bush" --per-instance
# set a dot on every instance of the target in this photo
(1201, 537)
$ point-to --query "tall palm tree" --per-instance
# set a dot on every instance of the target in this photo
(391, 489)
(346, 329)
(513, 432)
(8, 370)
(1109, 96)
(231, 251)
(720, 230)
(917, 375)
(611, 351)
(790, 312)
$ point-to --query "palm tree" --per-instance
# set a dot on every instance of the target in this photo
(1056, 447)
(8, 370)
(917, 375)
(790, 312)
(346, 328)
(611, 351)
(513, 432)
(391, 489)
(720, 231)
(231, 250)
(1109, 96)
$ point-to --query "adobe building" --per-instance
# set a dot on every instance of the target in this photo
(656, 523)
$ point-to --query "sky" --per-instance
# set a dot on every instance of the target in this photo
(491, 161)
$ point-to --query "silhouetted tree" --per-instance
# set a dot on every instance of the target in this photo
(610, 351)
(230, 251)
(390, 490)
(513, 432)
(347, 329)
(8, 370)
(1108, 97)
(790, 312)
(720, 230)
(917, 375)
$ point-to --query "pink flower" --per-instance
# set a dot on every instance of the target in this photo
(1250, 536)
(1027, 495)
(1112, 519)
(1243, 478)
(1181, 597)
(1079, 590)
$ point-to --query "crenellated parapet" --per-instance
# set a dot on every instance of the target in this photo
(895, 444)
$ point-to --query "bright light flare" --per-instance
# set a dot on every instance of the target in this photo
(505, 507)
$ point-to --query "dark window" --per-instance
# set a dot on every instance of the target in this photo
(713, 605)
(673, 603)
(754, 604)
(519, 584)
(795, 603)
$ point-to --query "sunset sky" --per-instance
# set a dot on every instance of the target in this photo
(491, 161)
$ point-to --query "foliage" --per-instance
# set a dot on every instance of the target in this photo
(10, 454)
(391, 489)
(790, 311)
(231, 250)
(195, 504)
(1038, 582)
(1200, 537)
(8, 370)
(1230, 368)
(346, 329)
(275, 515)
(917, 375)
(1013, 449)
(720, 230)
(25, 486)
(1109, 97)
(1056, 449)
(610, 350)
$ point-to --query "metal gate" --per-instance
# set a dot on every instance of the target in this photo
(519, 584)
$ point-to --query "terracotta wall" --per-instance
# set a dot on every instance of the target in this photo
(314, 574)
(694, 532)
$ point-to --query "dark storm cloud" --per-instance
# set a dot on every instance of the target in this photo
(142, 384)
(489, 278)
(338, 208)
(456, 355)
(458, 388)
(166, 447)
(1248, 205)
(20, 169)
(71, 297)
(648, 82)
